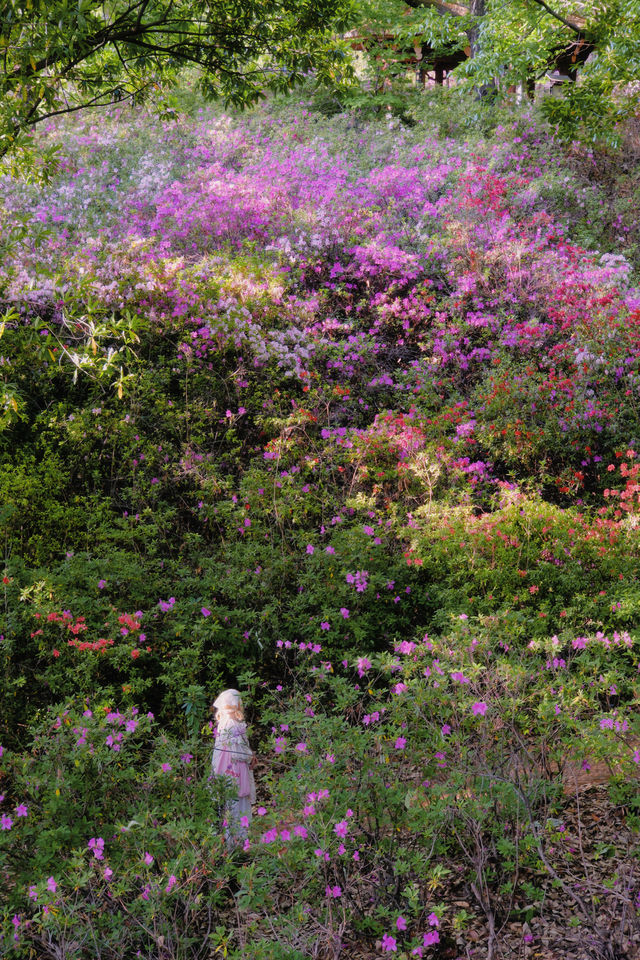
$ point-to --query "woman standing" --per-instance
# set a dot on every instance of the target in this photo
(233, 758)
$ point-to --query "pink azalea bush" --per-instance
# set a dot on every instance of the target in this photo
(346, 415)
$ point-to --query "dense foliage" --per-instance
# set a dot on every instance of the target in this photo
(346, 415)
(59, 57)
(521, 41)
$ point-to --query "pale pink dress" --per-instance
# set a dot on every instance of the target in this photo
(231, 758)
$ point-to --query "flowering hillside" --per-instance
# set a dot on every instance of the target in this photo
(347, 415)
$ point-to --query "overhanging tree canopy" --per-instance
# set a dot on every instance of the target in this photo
(519, 40)
(62, 55)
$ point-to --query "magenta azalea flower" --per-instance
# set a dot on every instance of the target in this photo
(171, 884)
(97, 846)
(363, 664)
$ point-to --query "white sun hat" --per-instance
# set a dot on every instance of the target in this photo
(228, 700)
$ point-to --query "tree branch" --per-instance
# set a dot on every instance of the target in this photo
(442, 6)
(557, 16)
(461, 10)
(95, 102)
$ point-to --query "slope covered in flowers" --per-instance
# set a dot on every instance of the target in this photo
(343, 414)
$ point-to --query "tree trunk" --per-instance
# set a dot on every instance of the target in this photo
(477, 8)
